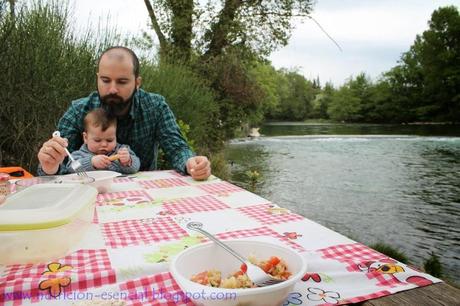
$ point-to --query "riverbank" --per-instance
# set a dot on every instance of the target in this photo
(324, 128)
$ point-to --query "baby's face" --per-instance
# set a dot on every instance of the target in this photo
(100, 142)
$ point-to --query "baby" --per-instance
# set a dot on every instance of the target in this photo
(101, 150)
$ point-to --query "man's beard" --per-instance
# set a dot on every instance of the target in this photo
(115, 106)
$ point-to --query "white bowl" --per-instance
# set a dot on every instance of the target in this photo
(208, 256)
(103, 179)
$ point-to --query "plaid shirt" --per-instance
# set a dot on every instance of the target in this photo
(150, 123)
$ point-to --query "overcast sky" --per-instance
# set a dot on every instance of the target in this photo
(372, 33)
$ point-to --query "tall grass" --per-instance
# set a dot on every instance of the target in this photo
(43, 66)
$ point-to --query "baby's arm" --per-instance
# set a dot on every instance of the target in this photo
(127, 161)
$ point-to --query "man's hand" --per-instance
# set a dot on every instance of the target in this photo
(51, 154)
(199, 167)
(124, 157)
(100, 161)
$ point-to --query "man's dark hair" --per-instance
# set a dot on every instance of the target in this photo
(133, 57)
(98, 117)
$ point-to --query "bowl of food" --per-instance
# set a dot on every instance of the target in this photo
(209, 275)
(103, 179)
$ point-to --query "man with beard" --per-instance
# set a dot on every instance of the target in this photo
(144, 119)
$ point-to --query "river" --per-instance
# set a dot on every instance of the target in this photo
(397, 184)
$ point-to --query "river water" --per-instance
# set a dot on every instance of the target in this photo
(373, 183)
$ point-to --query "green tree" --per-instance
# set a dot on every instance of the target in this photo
(352, 101)
(438, 51)
(268, 79)
(322, 101)
(238, 94)
(184, 27)
(405, 88)
(220, 40)
(427, 80)
(296, 99)
(383, 109)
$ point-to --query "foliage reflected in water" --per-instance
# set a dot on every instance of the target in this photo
(247, 167)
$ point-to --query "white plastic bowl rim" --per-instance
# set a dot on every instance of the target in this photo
(99, 175)
(295, 277)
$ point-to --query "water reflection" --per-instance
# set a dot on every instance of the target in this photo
(243, 160)
(404, 191)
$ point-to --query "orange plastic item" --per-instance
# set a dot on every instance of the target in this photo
(15, 172)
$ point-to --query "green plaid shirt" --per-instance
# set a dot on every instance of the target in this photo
(150, 123)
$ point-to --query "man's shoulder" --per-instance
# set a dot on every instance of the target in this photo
(90, 101)
(151, 99)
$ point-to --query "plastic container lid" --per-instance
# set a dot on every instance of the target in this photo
(44, 206)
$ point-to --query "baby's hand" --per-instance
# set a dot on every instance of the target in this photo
(100, 161)
(124, 157)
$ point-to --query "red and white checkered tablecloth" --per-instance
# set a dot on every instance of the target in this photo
(261, 231)
(220, 188)
(158, 289)
(193, 204)
(150, 209)
(164, 183)
(267, 214)
(145, 231)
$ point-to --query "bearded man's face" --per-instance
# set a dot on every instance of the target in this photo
(116, 82)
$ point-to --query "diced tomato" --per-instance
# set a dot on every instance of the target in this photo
(201, 278)
(274, 260)
(244, 268)
(267, 267)
(269, 264)
(238, 273)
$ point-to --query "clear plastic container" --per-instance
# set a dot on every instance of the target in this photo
(4, 184)
(42, 222)
(24, 183)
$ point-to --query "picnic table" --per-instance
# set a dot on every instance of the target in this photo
(140, 224)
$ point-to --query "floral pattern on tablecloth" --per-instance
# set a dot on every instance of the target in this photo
(387, 271)
(83, 269)
(123, 198)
